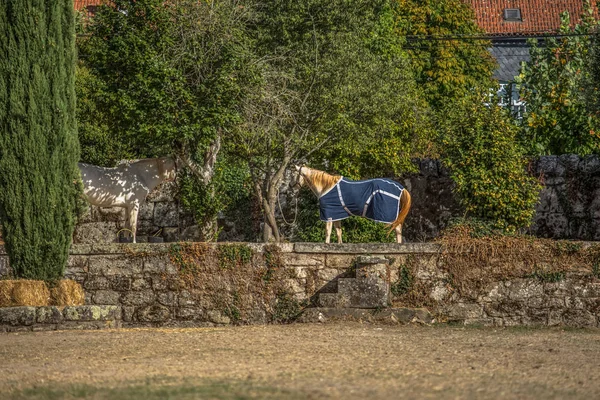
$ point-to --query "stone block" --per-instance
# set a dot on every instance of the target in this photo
(167, 298)
(146, 211)
(578, 318)
(333, 300)
(141, 298)
(590, 165)
(140, 284)
(303, 260)
(97, 312)
(340, 261)
(159, 264)
(170, 234)
(120, 265)
(506, 308)
(127, 313)
(217, 317)
(97, 283)
(365, 293)
(5, 270)
(463, 311)
(166, 214)
(522, 289)
(49, 315)
(106, 297)
(120, 283)
(189, 313)
(570, 163)
(96, 232)
(186, 299)
(153, 313)
(14, 316)
(328, 274)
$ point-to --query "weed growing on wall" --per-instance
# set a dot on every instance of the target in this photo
(236, 280)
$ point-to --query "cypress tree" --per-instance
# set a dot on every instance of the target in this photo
(38, 137)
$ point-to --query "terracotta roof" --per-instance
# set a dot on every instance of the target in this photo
(537, 15)
(87, 4)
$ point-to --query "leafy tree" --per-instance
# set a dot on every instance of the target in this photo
(486, 162)
(553, 84)
(333, 86)
(166, 78)
(171, 72)
(38, 144)
(446, 70)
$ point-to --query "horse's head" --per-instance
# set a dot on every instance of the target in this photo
(167, 168)
(298, 180)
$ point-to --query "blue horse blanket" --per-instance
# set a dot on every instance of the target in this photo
(375, 199)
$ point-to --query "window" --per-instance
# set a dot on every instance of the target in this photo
(512, 14)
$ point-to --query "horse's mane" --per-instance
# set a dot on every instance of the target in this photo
(322, 180)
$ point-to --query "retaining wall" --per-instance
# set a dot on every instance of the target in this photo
(148, 283)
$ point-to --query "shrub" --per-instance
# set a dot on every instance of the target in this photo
(487, 164)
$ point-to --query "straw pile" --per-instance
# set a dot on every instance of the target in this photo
(6, 288)
(30, 293)
(67, 293)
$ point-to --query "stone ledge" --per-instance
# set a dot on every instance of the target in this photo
(16, 319)
(367, 248)
(390, 315)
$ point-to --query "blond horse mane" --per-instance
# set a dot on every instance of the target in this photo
(319, 181)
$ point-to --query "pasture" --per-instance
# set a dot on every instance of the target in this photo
(344, 360)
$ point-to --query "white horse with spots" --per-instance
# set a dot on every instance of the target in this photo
(126, 185)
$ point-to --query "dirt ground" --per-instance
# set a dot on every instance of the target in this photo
(344, 360)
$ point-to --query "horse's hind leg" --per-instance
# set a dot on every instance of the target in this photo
(328, 226)
(338, 230)
(399, 233)
(133, 214)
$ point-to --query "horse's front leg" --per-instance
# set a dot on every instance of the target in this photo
(399, 233)
(133, 214)
(328, 226)
(338, 230)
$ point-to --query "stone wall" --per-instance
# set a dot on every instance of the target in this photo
(19, 319)
(569, 206)
(146, 282)
(161, 215)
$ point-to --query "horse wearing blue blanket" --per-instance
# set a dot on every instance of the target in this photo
(380, 200)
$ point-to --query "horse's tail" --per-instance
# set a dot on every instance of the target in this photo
(405, 202)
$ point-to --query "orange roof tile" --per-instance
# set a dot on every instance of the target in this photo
(537, 15)
(81, 4)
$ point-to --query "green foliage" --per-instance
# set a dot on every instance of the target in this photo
(476, 228)
(549, 277)
(553, 84)
(404, 283)
(287, 308)
(231, 183)
(99, 143)
(354, 230)
(167, 76)
(38, 142)
(232, 255)
(486, 163)
(445, 70)
(334, 84)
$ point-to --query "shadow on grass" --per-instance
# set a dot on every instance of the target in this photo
(151, 390)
